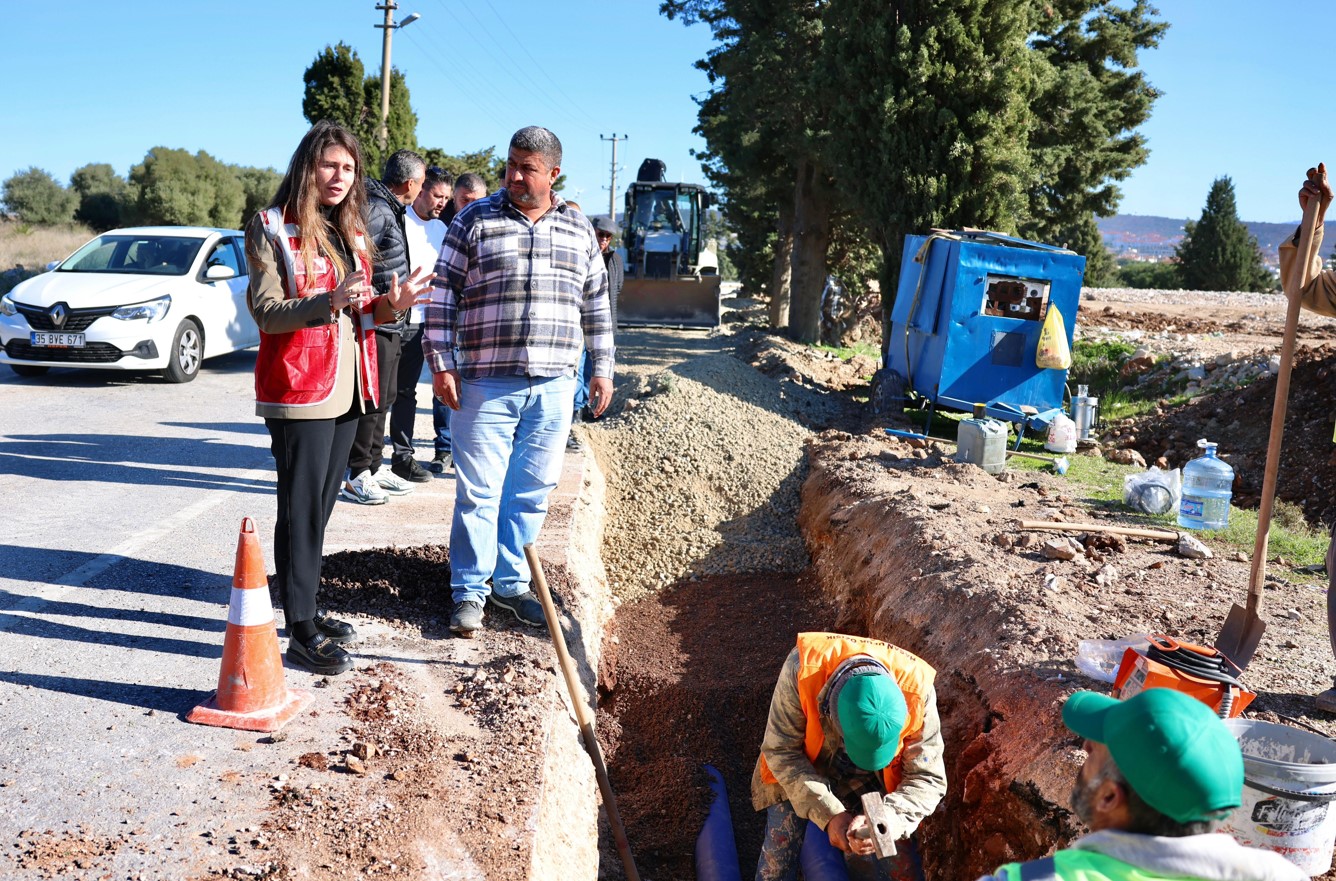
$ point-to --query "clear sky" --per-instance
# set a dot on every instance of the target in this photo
(106, 81)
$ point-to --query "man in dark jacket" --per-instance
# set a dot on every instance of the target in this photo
(387, 200)
(605, 229)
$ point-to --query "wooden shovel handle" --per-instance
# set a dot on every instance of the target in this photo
(1294, 284)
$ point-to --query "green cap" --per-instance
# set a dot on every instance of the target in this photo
(871, 710)
(1172, 749)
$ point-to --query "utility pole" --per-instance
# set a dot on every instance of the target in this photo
(612, 189)
(388, 27)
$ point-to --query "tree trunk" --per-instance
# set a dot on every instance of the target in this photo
(779, 281)
(811, 238)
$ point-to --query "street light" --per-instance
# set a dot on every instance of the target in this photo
(389, 6)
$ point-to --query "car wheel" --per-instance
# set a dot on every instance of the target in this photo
(28, 369)
(186, 353)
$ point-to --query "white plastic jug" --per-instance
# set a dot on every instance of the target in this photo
(1061, 435)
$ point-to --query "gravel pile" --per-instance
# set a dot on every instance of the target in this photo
(1232, 299)
(704, 466)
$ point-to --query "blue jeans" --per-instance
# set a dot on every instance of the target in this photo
(584, 372)
(509, 437)
(440, 423)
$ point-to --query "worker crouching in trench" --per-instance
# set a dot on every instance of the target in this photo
(849, 716)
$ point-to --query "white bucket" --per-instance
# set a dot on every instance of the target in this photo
(1289, 786)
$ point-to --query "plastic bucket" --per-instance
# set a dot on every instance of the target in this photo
(1289, 784)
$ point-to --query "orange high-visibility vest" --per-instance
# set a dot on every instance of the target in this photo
(820, 655)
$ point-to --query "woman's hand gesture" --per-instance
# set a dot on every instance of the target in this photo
(352, 291)
(411, 291)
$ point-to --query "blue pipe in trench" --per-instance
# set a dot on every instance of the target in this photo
(821, 860)
(716, 849)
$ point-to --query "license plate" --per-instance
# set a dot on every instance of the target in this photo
(58, 340)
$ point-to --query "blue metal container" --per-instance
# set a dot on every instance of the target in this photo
(966, 322)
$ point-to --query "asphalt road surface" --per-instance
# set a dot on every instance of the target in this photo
(122, 496)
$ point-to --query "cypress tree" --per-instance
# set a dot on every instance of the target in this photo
(1217, 252)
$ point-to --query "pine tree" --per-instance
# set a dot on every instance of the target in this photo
(338, 89)
(1217, 252)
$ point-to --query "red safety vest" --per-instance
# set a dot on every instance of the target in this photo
(821, 654)
(301, 368)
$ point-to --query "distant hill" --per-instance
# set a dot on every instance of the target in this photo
(1147, 236)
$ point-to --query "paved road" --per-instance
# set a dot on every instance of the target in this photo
(122, 496)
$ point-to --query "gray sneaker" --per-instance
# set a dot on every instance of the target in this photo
(525, 606)
(441, 462)
(467, 618)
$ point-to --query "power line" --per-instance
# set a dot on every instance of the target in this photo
(454, 75)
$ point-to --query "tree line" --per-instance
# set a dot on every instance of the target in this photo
(176, 187)
(834, 129)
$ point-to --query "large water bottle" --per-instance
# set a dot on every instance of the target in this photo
(1207, 486)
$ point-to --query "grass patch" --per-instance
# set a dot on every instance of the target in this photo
(1099, 483)
(33, 247)
(1097, 363)
(844, 353)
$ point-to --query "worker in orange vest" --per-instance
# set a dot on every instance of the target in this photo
(849, 715)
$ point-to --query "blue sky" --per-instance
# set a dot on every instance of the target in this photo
(106, 81)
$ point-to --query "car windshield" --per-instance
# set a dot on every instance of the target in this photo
(137, 254)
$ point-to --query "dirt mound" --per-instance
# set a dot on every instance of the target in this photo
(703, 466)
(1240, 421)
(1094, 315)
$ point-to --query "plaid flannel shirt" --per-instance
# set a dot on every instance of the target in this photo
(518, 298)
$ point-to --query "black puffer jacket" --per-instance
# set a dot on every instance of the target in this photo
(385, 227)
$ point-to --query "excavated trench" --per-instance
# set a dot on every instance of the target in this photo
(686, 674)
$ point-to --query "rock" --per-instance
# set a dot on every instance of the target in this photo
(1054, 582)
(1027, 540)
(1190, 547)
(354, 764)
(364, 750)
(1002, 540)
(1196, 373)
(1125, 457)
(1273, 366)
(1141, 361)
(1162, 463)
(1063, 548)
(916, 443)
(1107, 576)
(1294, 615)
(1239, 557)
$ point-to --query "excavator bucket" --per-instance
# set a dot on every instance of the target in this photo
(664, 302)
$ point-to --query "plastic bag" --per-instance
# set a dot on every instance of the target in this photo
(1100, 658)
(1053, 353)
(1153, 491)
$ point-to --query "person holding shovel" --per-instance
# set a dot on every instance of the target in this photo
(1317, 295)
(849, 716)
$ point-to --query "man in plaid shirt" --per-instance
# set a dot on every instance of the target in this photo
(521, 292)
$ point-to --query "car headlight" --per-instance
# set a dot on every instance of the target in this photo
(7, 306)
(151, 310)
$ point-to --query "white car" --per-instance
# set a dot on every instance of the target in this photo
(149, 298)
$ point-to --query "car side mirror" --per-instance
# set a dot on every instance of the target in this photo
(52, 265)
(219, 272)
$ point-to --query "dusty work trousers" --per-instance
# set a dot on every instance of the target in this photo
(790, 842)
(309, 455)
(369, 443)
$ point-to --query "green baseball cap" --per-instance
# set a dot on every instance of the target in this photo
(871, 709)
(1172, 749)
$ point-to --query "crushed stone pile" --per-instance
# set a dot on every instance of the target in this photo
(704, 467)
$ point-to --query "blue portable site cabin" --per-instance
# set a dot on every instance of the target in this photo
(966, 321)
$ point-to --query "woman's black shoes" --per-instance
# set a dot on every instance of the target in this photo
(320, 655)
(338, 631)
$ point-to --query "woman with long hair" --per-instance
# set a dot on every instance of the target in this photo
(315, 375)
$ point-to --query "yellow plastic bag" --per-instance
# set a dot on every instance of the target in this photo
(1053, 354)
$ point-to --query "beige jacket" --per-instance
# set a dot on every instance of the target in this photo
(1319, 294)
(275, 312)
(816, 790)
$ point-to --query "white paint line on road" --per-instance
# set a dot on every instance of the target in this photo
(57, 590)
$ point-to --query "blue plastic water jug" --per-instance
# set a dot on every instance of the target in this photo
(1207, 485)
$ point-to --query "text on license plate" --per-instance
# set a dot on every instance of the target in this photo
(58, 340)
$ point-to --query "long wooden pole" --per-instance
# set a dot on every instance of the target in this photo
(1054, 526)
(1298, 275)
(582, 715)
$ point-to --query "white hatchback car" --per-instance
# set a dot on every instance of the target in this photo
(149, 298)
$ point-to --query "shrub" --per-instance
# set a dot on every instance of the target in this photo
(1156, 276)
(37, 197)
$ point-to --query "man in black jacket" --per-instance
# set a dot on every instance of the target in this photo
(387, 200)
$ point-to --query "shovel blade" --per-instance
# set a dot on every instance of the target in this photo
(1240, 636)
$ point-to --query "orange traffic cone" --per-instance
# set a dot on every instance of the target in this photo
(251, 694)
